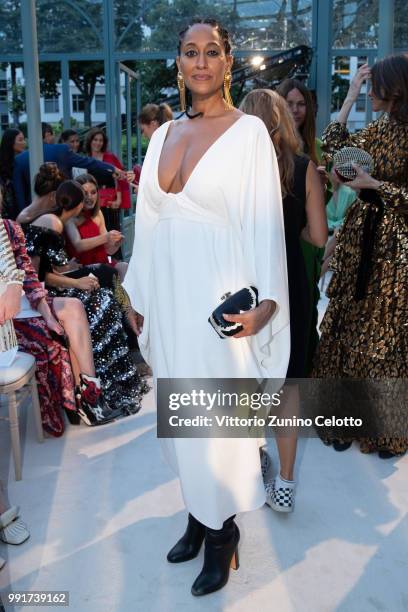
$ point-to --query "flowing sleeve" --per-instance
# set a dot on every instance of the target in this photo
(9, 273)
(263, 239)
(396, 196)
(336, 136)
(31, 285)
(137, 279)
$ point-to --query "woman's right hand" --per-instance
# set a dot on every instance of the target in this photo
(113, 242)
(87, 283)
(10, 303)
(139, 323)
(114, 238)
(362, 74)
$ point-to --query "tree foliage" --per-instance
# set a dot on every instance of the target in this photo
(166, 19)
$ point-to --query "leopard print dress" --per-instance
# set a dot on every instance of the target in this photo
(366, 337)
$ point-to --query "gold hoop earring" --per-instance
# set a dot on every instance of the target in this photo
(227, 93)
(182, 91)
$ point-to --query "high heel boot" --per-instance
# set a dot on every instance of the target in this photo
(221, 553)
(92, 407)
(189, 544)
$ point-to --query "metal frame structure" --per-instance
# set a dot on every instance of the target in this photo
(320, 76)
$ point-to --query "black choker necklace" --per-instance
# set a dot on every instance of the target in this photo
(193, 116)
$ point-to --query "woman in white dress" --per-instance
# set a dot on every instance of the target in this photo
(209, 220)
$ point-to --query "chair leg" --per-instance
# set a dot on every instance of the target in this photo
(36, 409)
(15, 434)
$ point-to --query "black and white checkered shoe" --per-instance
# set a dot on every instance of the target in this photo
(281, 499)
(266, 464)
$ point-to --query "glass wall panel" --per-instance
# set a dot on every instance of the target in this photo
(355, 23)
(343, 70)
(69, 26)
(10, 27)
(277, 24)
(128, 25)
(401, 25)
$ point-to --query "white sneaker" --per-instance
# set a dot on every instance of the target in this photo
(12, 528)
(281, 499)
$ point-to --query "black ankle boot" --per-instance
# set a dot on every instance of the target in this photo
(189, 544)
(221, 553)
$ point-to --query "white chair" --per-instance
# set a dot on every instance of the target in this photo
(12, 379)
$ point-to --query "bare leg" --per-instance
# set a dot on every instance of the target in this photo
(121, 267)
(71, 313)
(287, 445)
(3, 500)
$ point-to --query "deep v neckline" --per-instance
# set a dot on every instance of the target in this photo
(204, 155)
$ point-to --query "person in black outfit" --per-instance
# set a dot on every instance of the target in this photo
(12, 143)
(304, 217)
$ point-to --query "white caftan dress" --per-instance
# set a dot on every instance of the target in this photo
(222, 232)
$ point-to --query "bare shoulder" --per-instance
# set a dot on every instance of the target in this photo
(98, 218)
(50, 221)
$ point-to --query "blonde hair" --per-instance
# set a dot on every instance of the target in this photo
(274, 112)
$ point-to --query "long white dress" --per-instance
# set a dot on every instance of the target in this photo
(222, 232)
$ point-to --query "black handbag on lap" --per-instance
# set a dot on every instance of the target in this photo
(241, 301)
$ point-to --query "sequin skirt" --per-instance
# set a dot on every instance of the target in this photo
(121, 384)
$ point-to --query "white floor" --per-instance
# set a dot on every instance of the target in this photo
(104, 509)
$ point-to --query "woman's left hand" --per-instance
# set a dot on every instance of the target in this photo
(363, 180)
(253, 320)
(130, 176)
(49, 318)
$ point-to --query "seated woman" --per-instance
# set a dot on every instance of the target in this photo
(45, 244)
(89, 242)
(113, 196)
(46, 331)
(46, 182)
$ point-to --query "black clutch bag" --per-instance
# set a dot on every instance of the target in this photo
(241, 301)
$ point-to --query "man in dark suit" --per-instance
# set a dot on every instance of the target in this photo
(65, 159)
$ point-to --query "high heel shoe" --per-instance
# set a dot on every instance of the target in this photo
(189, 544)
(92, 407)
(341, 446)
(73, 417)
(221, 554)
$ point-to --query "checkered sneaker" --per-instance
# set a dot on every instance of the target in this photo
(265, 463)
(281, 499)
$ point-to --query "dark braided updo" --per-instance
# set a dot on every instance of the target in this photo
(223, 33)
